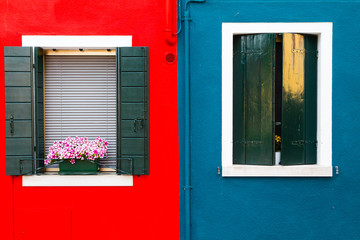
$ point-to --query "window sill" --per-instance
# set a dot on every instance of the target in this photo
(101, 180)
(277, 171)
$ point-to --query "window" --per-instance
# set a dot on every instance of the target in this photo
(255, 55)
(131, 111)
(80, 97)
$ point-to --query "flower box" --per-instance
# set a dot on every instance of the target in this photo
(77, 155)
(80, 167)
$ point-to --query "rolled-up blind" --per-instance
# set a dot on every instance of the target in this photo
(80, 99)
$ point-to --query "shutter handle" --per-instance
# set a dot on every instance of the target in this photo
(135, 121)
(141, 121)
(11, 125)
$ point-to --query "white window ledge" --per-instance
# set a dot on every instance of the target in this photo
(101, 180)
(277, 171)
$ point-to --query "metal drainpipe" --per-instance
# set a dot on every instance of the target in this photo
(170, 36)
(187, 186)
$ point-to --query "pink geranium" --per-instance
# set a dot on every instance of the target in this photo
(78, 148)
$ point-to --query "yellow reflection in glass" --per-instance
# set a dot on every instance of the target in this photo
(293, 65)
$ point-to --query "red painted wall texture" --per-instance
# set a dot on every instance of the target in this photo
(149, 209)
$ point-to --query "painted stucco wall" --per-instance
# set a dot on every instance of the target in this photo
(270, 208)
(149, 209)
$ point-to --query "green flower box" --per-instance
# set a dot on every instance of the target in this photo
(80, 167)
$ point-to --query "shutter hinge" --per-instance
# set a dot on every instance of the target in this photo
(301, 51)
(251, 52)
(302, 142)
(250, 142)
(33, 65)
(298, 142)
(34, 148)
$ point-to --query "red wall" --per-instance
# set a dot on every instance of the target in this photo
(149, 209)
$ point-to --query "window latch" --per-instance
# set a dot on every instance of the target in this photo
(12, 125)
(140, 122)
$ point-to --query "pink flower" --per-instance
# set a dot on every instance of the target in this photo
(77, 148)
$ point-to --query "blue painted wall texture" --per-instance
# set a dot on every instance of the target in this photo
(271, 208)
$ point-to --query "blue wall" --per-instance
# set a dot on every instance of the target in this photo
(271, 208)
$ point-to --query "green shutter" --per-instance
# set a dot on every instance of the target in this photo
(311, 98)
(299, 104)
(238, 100)
(18, 108)
(253, 94)
(39, 105)
(132, 108)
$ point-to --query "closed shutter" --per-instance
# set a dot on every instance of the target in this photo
(299, 104)
(133, 115)
(18, 108)
(253, 112)
(239, 101)
(80, 99)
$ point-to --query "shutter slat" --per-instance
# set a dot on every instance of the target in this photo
(17, 79)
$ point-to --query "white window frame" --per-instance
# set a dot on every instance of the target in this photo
(323, 168)
(76, 42)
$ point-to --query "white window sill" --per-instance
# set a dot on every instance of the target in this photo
(101, 180)
(277, 171)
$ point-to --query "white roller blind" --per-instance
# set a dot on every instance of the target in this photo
(80, 99)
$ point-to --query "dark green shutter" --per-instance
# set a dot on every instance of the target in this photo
(253, 94)
(239, 100)
(299, 100)
(133, 114)
(311, 98)
(18, 107)
(39, 105)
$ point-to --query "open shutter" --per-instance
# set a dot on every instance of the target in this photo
(132, 110)
(299, 105)
(18, 108)
(310, 98)
(253, 112)
(39, 105)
